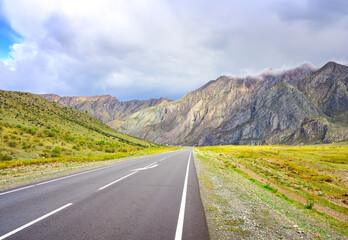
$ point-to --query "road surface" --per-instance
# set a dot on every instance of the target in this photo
(153, 197)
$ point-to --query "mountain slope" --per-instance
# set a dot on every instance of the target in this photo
(105, 108)
(272, 118)
(327, 89)
(192, 118)
(33, 127)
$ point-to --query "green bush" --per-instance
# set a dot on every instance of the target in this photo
(12, 144)
(25, 146)
(50, 133)
(31, 131)
(310, 204)
(68, 137)
(101, 142)
(5, 157)
(110, 150)
(56, 150)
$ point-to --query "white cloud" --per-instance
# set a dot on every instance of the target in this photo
(152, 48)
(23, 51)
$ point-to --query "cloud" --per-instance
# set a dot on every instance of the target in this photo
(319, 13)
(137, 49)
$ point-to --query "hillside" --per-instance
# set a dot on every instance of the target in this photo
(105, 107)
(32, 127)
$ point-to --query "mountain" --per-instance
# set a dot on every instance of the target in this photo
(327, 89)
(314, 112)
(299, 106)
(191, 119)
(105, 107)
(275, 117)
(32, 127)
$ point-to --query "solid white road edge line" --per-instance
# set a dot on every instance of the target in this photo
(35, 221)
(115, 181)
(180, 225)
(18, 189)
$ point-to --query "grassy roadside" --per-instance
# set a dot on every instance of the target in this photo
(36, 171)
(251, 170)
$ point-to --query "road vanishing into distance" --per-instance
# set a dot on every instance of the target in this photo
(152, 197)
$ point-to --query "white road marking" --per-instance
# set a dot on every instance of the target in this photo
(34, 221)
(115, 181)
(19, 189)
(77, 174)
(73, 175)
(180, 225)
(152, 165)
(58, 179)
(163, 159)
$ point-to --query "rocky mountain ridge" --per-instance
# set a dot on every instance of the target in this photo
(299, 106)
(191, 119)
(106, 108)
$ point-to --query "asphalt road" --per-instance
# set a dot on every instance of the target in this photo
(153, 197)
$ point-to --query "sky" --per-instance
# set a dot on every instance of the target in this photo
(140, 49)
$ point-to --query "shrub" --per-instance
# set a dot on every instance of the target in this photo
(56, 150)
(75, 147)
(31, 131)
(101, 142)
(51, 133)
(326, 178)
(12, 144)
(110, 150)
(44, 154)
(268, 186)
(25, 146)
(310, 204)
(5, 157)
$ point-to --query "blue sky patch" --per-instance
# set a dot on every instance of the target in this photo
(7, 37)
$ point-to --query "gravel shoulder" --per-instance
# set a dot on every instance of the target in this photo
(237, 208)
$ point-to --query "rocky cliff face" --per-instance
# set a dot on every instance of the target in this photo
(192, 118)
(327, 89)
(105, 107)
(270, 119)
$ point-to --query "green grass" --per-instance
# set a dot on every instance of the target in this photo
(270, 163)
(34, 130)
(316, 171)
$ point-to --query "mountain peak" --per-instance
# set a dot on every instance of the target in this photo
(333, 66)
(327, 88)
